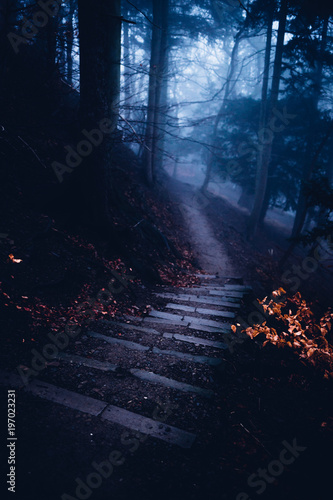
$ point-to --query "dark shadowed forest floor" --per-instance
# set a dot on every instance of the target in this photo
(264, 397)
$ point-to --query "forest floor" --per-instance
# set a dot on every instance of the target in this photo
(264, 401)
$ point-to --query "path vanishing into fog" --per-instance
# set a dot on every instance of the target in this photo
(211, 255)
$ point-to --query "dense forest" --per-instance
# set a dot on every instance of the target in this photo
(166, 248)
(236, 87)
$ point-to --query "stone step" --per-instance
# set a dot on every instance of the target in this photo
(201, 310)
(230, 302)
(196, 340)
(224, 293)
(149, 426)
(209, 329)
(118, 325)
(204, 322)
(188, 357)
(212, 312)
(151, 377)
(125, 343)
(235, 287)
(180, 307)
(206, 276)
(227, 288)
(88, 362)
(188, 320)
(165, 315)
(172, 384)
(163, 323)
(205, 290)
(171, 319)
(101, 409)
(168, 351)
(217, 276)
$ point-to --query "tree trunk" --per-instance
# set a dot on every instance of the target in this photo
(264, 90)
(266, 113)
(301, 204)
(62, 54)
(162, 110)
(4, 46)
(157, 67)
(128, 87)
(69, 43)
(265, 205)
(51, 33)
(228, 89)
(329, 169)
(100, 52)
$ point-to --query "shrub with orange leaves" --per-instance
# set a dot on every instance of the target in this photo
(298, 329)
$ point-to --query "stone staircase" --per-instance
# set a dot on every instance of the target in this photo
(124, 369)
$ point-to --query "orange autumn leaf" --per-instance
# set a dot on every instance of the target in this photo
(16, 261)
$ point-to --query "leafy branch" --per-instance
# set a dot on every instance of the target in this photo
(298, 329)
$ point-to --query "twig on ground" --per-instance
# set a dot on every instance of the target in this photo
(34, 152)
(256, 439)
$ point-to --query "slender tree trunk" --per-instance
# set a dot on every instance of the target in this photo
(260, 71)
(162, 109)
(4, 46)
(100, 52)
(264, 90)
(329, 168)
(152, 91)
(301, 204)
(265, 205)
(157, 64)
(263, 106)
(310, 216)
(128, 88)
(69, 43)
(51, 33)
(266, 113)
(62, 54)
(228, 89)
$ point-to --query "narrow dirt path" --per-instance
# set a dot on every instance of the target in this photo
(211, 255)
